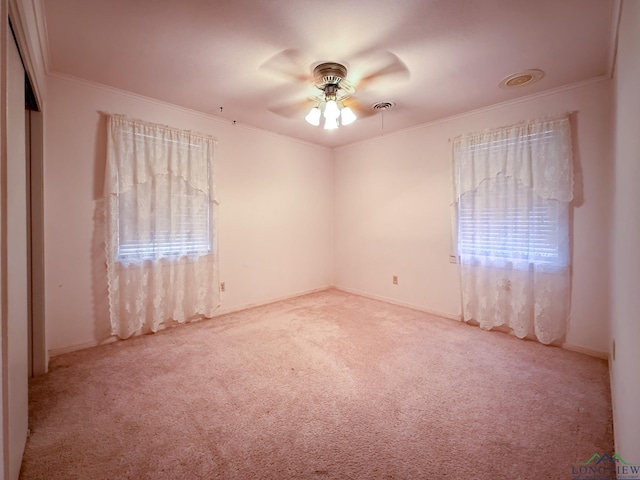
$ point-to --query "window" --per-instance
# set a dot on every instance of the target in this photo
(164, 193)
(179, 223)
(503, 219)
(512, 188)
(162, 261)
(509, 205)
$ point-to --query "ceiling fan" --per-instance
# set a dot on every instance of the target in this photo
(337, 101)
(330, 78)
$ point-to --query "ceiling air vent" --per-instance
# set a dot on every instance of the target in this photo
(521, 79)
(382, 106)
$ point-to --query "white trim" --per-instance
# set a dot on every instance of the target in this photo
(4, 359)
(79, 346)
(178, 108)
(450, 316)
(565, 346)
(225, 311)
(458, 317)
(508, 103)
(586, 351)
(27, 20)
(43, 34)
(614, 403)
(481, 110)
(616, 15)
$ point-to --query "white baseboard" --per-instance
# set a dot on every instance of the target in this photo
(586, 351)
(53, 352)
(458, 317)
(225, 311)
(451, 316)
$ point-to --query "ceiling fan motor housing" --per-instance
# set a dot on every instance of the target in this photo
(329, 73)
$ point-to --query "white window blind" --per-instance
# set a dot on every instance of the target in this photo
(506, 208)
(180, 226)
(165, 208)
(504, 219)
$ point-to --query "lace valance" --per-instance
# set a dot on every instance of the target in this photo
(509, 151)
(184, 154)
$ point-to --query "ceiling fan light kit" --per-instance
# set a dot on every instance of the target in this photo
(335, 102)
(329, 77)
(313, 117)
(347, 116)
(331, 110)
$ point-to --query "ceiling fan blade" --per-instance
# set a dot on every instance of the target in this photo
(347, 87)
(382, 66)
(360, 110)
(289, 63)
(369, 67)
(295, 109)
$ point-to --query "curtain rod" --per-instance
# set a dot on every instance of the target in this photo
(158, 125)
(548, 118)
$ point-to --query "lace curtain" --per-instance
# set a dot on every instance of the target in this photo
(161, 244)
(512, 191)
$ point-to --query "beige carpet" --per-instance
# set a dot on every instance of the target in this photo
(326, 386)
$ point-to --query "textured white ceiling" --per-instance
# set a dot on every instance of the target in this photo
(254, 58)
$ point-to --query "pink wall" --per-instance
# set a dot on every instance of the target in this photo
(625, 291)
(275, 214)
(281, 200)
(392, 210)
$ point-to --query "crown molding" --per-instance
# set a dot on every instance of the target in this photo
(178, 108)
(27, 20)
(616, 15)
(489, 108)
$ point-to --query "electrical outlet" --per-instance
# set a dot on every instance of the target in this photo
(222, 286)
(395, 279)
